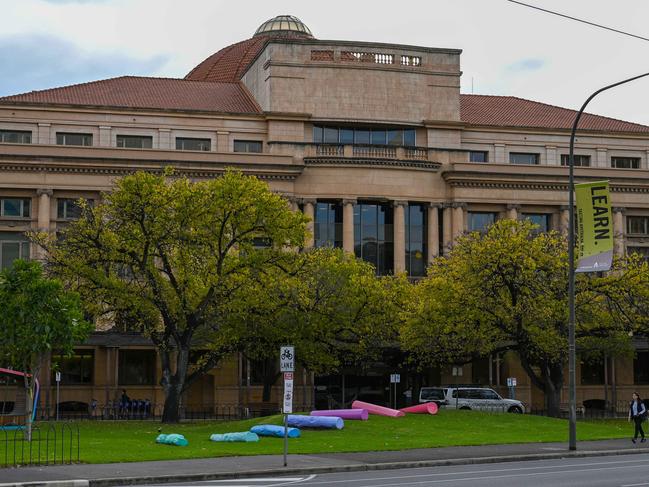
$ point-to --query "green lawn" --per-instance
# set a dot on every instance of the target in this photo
(131, 441)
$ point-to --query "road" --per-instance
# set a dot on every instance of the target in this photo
(611, 471)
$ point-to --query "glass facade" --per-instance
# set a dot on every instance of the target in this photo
(328, 224)
(416, 244)
(373, 235)
(479, 221)
(360, 135)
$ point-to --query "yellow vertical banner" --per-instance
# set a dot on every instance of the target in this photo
(594, 227)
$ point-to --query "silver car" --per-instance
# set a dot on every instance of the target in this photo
(481, 399)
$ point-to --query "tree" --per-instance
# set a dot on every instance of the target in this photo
(165, 254)
(331, 306)
(506, 289)
(38, 316)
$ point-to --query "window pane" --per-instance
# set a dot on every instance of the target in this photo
(10, 251)
(409, 137)
(641, 368)
(247, 146)
(592, 372)
(136, 367)
(15, 136)
(477, 156)
(540, 219)
(523, 158)
(625, 162)
(480, 221)
(73, 139)
(580, 160)
(378, 137)
(346, 136)
(317, 133)
(184, 143)
(135, 141)
(12, 207)
(638, 225)
(330, 135)
(362, 136)
(76, 369)
(395, 137)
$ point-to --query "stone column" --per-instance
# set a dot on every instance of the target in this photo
(459, 222)
(43, 219)
(399, 236)
(618, 231)
(564, 219)
(512, 211)
(447, 233)
(433, 232)
(309, 211)
(348, 225)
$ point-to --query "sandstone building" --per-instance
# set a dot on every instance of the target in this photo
(373, 141)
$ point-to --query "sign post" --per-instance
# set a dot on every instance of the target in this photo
(394, 380)
(511, 383)
(57, 377)
(287, 366)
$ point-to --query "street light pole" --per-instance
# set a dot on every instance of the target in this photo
(572, 377)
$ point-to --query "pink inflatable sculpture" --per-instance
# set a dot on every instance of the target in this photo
(380, 410)
(359, 414)
(426, 408)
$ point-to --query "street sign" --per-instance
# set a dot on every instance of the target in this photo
(395, 378)
(287, 359)
(58, 377)
(511, 381)
(288, 393)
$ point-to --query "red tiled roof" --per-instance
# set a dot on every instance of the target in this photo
(147, 93)
(510, 111)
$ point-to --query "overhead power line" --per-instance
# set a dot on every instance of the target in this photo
(600, 26)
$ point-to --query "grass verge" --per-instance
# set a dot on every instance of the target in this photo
(132, 441)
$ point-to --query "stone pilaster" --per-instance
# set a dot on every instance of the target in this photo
(513, 211)
(433, 231)
(44, 218)
(348, 225)
(400, 236)
(459, 219)
(564, 220)
(447, 227)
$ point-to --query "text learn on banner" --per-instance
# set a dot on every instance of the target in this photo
(595, 227)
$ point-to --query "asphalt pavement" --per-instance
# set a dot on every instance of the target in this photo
(613, 471)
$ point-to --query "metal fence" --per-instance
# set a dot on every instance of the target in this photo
(141, 411)
(51, 444)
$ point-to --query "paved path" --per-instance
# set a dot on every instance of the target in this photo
(318, 463)
(619, 471)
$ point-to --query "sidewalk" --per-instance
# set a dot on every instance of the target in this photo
(100, 475)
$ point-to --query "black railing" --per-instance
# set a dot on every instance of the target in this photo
(51, 444)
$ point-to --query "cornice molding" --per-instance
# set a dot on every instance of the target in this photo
(538, 186)
(357, 161)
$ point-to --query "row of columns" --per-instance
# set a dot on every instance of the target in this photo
(454, 224)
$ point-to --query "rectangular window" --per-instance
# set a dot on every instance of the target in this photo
(317, 134)
(592, 372)
(135, 141)
(15, 207)
(480, 221)
(63, 138)
(409, 138)
(625, 162)
(328, 224)
(373, 235)
(185, 143)
(641, 368)
(68, 208)
(523, 158)
(13, 246)
(416, 239)
(637, 225)
(378, 137)
(136, 367)
(395, 137)
(75, 369)
(361, 136)
(542, 220)
(248, 146)
(16, 136)
(580, 160)
(330, 135)
(478, 156)
(346, 136)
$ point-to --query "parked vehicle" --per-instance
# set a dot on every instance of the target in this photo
(433, 394)
(481, 399)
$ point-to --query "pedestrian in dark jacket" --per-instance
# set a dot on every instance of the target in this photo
(637, 413)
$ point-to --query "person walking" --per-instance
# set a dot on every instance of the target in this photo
(637, 413)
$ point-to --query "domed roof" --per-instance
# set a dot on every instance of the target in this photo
(283, 23)
(230, 63)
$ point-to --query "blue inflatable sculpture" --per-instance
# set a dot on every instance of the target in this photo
(330, 422)
(274, 430)
(172, 439)
(244, 436)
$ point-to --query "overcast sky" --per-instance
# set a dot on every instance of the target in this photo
(508, 49)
